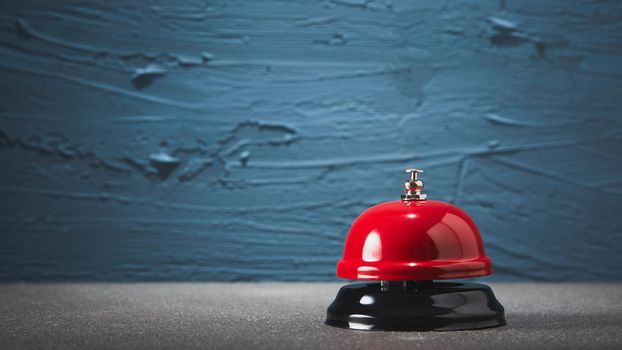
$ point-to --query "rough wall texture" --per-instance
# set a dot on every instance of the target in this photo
(237, 140)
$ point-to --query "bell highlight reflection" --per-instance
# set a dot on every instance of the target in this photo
(372, 249)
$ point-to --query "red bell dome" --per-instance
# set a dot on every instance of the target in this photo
(413, 239)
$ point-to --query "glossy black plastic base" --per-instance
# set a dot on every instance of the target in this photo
(438, 306)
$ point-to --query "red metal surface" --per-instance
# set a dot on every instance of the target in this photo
(413, 240)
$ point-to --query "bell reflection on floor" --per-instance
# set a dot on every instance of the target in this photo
(406, 247)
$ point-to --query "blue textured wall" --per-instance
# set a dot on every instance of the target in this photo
(237, 140)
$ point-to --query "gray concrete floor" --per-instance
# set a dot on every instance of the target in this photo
(284, 316)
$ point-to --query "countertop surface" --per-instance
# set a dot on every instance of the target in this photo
(284, 316)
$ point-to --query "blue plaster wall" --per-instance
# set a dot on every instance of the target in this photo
(237, 140)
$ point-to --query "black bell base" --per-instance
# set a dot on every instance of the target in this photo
(439, 306)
